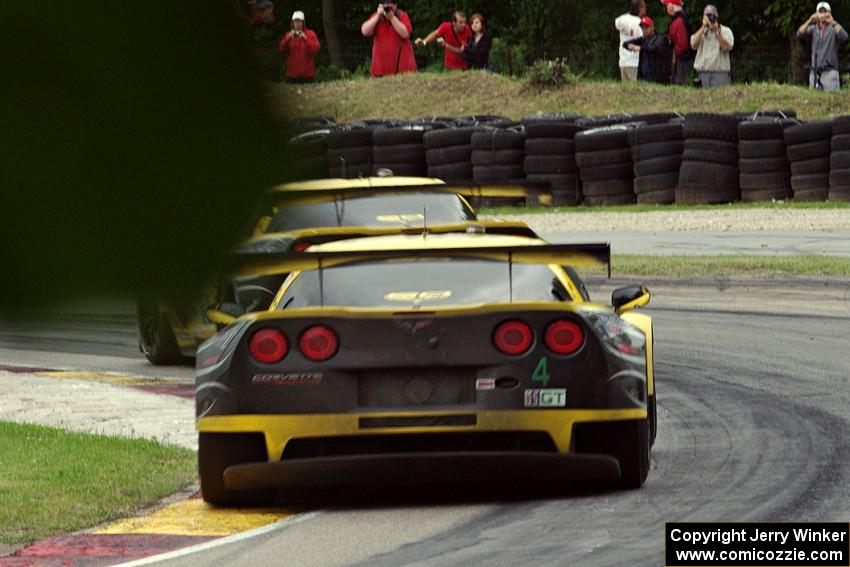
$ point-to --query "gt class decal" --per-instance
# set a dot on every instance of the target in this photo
(546, 398)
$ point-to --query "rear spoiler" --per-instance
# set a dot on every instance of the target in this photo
(533, 193)
(575, 255)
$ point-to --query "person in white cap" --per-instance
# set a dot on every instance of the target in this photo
(826, 34)
(300, 46)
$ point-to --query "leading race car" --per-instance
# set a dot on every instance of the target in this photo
(297, 215)
(427, 358)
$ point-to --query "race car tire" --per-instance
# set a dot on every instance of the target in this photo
(606, 138)
(655, 133)
(549, 164)
(660, 149)
(448, 155)
(451, 172)
(702, 183)
(552, 129)
(494, 139)
(759, 195)
(765, 181)
(216, 452)
(654, 118)
(750, 149)
(810, 166)
(839, 194)
(657, 166)
(839, 178)
(809, 150)
(605, 172)
(603, 121)
(655, 183)
(764, 128)
(652, 416)
(609, 200)
(711, 151)
(662, 197)
(402, 169)
(488, 119)
(448, 137)
(349, 138)
(156, 337)
(497, 173)
(811, 195)
(763, 165)
(384, 136)
(497, 157)
(604, 157)
(413, 153)
(565, 188)
(810, 183)
(840, 143)
(841, 125)
(358, 154)
(808, 132)
(549, 147)
(608, 188)
(569, 117)
(839, 160)
(721, 127)
(627, 441)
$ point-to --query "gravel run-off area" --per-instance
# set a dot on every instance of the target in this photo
(721, 220)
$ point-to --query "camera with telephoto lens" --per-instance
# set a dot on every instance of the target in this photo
(712, 18)
(387, 9)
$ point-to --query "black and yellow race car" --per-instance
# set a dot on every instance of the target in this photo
(429, 359)
(297, 215)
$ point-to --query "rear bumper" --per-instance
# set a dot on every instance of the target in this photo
(485, 468)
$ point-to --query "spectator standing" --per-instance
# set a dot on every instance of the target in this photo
(629, 27)
(300, 46)
(713, 42)
(390, 30)
(825, 34)
(476, 52)
(656, 53)
(266, 31)
(452, 36)
(679, 32)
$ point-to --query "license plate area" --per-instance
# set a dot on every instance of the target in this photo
(415, 388)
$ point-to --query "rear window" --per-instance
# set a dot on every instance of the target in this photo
(428, 282)
(375, 211)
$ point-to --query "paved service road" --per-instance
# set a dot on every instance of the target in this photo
(753, 425)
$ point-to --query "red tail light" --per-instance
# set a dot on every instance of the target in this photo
(318, 343)
(268, 346)
(513, 337)
(301, 246)
(564, 337)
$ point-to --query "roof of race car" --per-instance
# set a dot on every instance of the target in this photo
(357, 183)
(425, 242)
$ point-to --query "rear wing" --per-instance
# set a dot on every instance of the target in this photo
(574, 255)
(532, 193)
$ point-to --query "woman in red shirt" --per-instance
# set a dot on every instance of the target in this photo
(300, 47)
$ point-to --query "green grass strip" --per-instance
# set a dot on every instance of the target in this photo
(53, 481)
(706, 266)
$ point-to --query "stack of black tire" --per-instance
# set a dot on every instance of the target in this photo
(808, 147)
(306, 153)
(550, 157)
(657, 156)
(497, 155)
(399, 149)
(349, 152)
(709, 171)
(765, 174)
(448, 153)
(839, 175)
(605, 165)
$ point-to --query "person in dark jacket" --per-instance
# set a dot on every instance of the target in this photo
(476, 52)
(679, 32)
(656, 53)
(266, 32)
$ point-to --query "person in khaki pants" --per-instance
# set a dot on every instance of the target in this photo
(713, 43)
(629, 27)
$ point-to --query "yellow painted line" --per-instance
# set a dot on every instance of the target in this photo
(197, 518)
(118, 379)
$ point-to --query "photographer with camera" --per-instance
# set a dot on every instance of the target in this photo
(713, 43)
(390, 30)
(452, 36)
(300, 47)
(826, 34)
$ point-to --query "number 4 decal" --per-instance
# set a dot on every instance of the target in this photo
(541, 372)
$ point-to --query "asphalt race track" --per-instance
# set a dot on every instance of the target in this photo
(753, 425)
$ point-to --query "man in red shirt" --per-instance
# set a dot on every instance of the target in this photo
(679, 32)
(456, 34)
(390, 30)
(300, 47)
